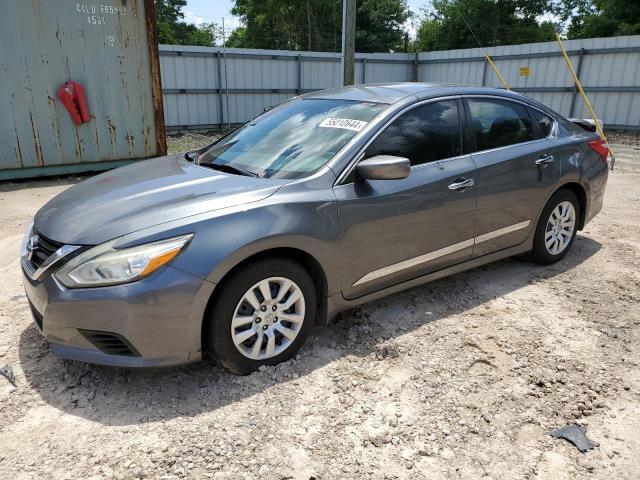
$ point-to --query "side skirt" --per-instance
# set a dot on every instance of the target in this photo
(337, 303)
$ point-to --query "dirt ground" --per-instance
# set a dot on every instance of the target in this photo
(461, 378)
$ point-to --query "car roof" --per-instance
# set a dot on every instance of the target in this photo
(395, 92)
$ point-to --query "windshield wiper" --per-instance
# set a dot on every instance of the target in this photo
(228, 169)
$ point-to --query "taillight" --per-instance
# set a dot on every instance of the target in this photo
(600, 147)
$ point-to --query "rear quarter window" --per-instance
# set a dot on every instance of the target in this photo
(544, 121)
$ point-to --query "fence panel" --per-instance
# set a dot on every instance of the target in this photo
(609, 72)
(206, 87)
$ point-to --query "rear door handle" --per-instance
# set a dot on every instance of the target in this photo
(461, 184)
(544, 160)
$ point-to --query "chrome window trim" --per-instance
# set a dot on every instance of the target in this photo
(438, 162)
(427, 257)
(357, 157)
(529, 142)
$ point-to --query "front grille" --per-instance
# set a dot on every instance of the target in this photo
(110, 343)
(46, 248)
(37, 317)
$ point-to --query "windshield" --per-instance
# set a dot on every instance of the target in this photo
(292, 140)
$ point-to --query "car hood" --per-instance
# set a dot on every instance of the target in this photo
(142, 195)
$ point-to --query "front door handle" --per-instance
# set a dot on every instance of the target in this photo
(461, 184)
(544, 160)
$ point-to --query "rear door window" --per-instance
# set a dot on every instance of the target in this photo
(499, 123)
(424, 134)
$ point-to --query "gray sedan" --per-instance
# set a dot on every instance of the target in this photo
(332, 199)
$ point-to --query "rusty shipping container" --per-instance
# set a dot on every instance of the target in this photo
(110, 49)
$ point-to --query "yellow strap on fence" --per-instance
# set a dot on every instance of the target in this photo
(584, 97)
(495, 69)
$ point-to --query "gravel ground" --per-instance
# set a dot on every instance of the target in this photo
(189, 141)
(627, 138)
(461, 378)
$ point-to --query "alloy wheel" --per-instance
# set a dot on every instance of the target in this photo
(268, 318)
(560, 227)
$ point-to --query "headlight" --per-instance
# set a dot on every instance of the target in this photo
(24, 251)
(104, 265)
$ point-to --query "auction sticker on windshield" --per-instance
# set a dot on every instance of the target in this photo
(346, 123)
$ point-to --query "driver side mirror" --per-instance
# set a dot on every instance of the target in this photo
(384, 167)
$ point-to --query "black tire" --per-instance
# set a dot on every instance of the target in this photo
(218, 342)
(540, 254)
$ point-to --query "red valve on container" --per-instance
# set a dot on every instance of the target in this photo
(71, 94)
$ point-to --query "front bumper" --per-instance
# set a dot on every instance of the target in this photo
(159, 317)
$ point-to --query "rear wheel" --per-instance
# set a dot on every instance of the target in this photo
(261, 316)
(557, 228)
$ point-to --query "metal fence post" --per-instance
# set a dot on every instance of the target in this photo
(299, 74)
(220, 100)
(484, 73)
(364, 70)
(574, 94)
(416, 65)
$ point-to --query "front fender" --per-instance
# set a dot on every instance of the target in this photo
(222, 240)
(313, 231)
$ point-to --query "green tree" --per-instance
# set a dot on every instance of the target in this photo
(172, 30)
(317, 25)
(600, 18)
(449, 23)
(379, 25)
(168, 15)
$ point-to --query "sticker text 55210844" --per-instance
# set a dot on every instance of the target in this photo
(346, 123)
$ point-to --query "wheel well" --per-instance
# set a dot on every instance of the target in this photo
(579, 192)
(308, 262)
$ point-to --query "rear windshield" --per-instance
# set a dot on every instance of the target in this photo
(294, 139)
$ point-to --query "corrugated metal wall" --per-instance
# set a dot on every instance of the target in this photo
(195, 80)
(199, 83)
(609, 72)
(106, 48)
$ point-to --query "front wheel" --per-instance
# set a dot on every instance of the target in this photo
(261, 316)
(557, 228)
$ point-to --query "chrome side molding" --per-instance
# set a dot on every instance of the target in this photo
(412, 262)
(502, 231)
(427, 257)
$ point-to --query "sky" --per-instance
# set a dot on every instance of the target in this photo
(207, 11)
